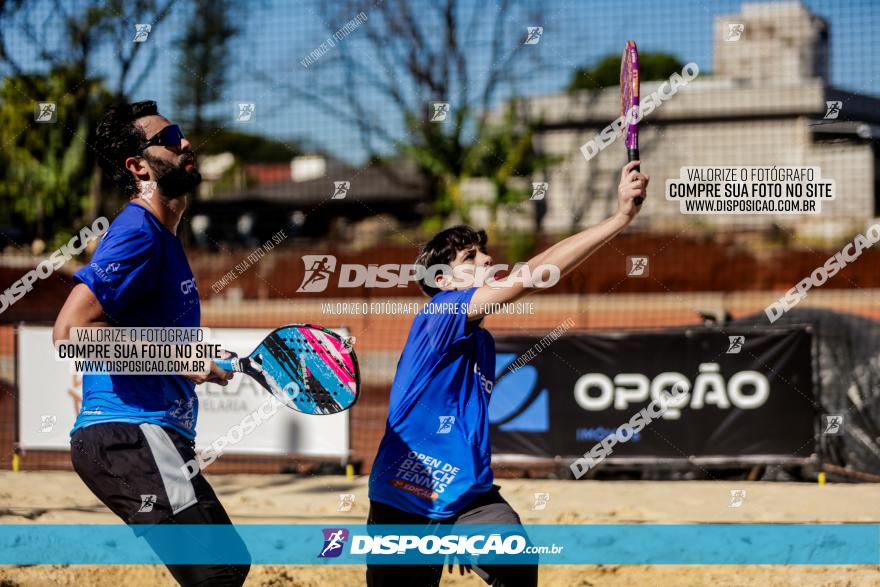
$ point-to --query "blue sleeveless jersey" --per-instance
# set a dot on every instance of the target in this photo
(140, 275)
(435, 456)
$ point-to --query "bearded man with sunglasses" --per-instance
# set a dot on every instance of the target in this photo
(134, 433)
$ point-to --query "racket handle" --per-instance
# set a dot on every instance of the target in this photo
(633, 155)
(228, 364)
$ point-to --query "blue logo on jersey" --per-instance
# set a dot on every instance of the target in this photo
(334, 540)
(516, 405)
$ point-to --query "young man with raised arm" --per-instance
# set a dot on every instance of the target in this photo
(433, 465)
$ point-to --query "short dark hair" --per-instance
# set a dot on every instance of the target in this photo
(117, 139)
(442, 249)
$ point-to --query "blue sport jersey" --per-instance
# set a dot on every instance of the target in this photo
(141, 277)
(435, 456)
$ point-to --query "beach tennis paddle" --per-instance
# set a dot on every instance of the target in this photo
(308, 368)
(629, 99)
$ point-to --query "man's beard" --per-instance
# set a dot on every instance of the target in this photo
(173, 180)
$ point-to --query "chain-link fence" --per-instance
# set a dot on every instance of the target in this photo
(353, 131)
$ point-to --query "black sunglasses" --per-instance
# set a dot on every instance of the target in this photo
(170, 136)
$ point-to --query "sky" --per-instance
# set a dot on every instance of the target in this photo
(277, 34)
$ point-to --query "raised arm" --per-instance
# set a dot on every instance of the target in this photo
(81, 310)
(572, 251)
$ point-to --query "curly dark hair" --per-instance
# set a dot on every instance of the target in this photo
(117, 139)
(442, 249)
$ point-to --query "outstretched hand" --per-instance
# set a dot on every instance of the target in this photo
(633, 184)
(214, 375)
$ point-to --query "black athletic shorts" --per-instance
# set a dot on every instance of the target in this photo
(489, 508)
(138, 471)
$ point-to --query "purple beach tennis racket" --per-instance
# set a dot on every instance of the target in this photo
(306, 367)
(629, 98)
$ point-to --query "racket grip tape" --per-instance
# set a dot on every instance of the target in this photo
(227, 364)
(633, 155)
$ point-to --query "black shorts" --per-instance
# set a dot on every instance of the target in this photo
(489, 508)
(138, 471)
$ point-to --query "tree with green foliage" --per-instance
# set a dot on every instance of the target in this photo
(47, 168)
(507, 154)
(201, 77)
(49, 185)
(247, 148)
(606, 73)
(401, 57)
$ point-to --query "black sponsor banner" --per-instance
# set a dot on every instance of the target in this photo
(746, 393)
